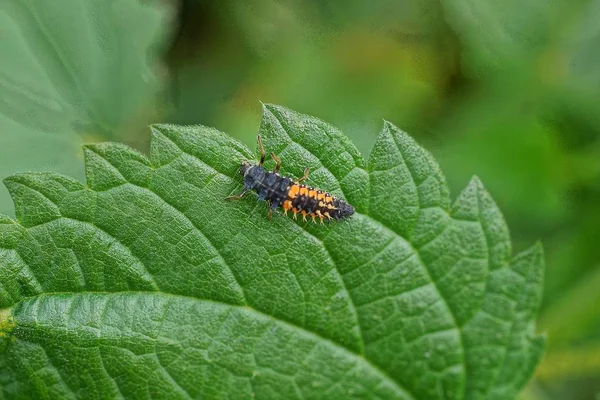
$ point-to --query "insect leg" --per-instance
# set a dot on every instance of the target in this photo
(238, 196)
(272, 205)
(270, 213)
(262, 150)
(278, 162)
(305, 176)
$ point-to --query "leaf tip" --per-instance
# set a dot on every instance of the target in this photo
(387, 124)
(478, 188)
(154, 127)
(269, 108)
(157, 132)
(161, 127)
(7, 180)
(530, 263)
(91, 151)
(399, 134)
(537, 250)
(91, 147)
(476, 181)
(14, 180)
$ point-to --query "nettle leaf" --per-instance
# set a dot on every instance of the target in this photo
(146, 283)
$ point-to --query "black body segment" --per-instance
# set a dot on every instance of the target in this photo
(268, 185)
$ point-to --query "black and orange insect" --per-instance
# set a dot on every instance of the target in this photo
(281, 191)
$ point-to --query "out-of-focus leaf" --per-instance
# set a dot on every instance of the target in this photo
(579, 59)
(71, 71)
(321, 58)
(497, 133)
(501, 34)
(571, 362)
(565, 323)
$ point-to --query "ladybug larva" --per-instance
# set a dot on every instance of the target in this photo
(289, 193)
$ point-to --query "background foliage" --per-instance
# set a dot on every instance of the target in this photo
(507, 90)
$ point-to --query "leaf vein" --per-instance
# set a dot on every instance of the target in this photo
(196, 227)
(449, 308)
(343, 283)
(246, 308)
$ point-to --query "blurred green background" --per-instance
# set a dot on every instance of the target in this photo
(507, 90)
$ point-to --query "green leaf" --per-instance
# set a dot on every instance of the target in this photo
(499, 34)
(71, 69)
(146, 283)
(578, 83)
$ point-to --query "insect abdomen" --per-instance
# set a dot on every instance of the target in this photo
(315, 203)
(284, 192)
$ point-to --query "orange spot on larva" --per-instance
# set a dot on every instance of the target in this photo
(293, 192)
